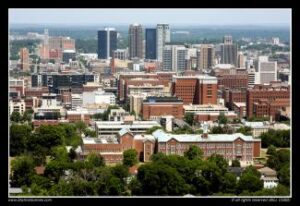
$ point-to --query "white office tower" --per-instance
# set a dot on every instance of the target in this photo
(241, 60)
(162, 36)
(267, 70)
(174, 58)
(253, 77)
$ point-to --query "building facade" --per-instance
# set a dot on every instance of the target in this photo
(150, 44)
(163, 36)
(155, 107)
(196, 89)
(228, 51)
(135, 37)
(207, 56)
(107, 43)
(269, 93)
(230, 146)
(174, 58)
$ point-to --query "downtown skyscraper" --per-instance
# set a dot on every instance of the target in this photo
(228, 51)
(207, 56)
(135, 38)
(150, 44)
(162, 36)
(107, 43)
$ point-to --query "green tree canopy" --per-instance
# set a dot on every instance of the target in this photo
(161, 179)
(153, 129)
(130, 157)
(189, 118)
(22, 170)
(15, 116)
(193, 152)
(95, 160)
(271, 150)
(235, 163)
(229, 184)
(18, 138)
(244, 130)
(222, 119)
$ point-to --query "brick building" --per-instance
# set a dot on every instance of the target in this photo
(233, 81)
(112, 149)
(230, 146)
(236, 95)
(267, 108)
(268, 94)
(160, 77)
(76, 116)
(155, 107)
(195, 89)
(208, 112)
(35, 91)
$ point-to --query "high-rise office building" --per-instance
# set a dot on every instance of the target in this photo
(207, 56)
(150, 44)
(228, 51)
(107, 43)
(241, 60)
(174, 58)
(162, 37)
(135, 38)
(24, 56)
(267, 70)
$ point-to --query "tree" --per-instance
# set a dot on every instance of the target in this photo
(193, 152)
(284, 175)
(60, 153)
(62, 188)
(278, 138)
(161, 179)
(135, 187)
(152, 129)
(22, 170)
(89, 133)
(250, 180)
(15, 116)
(107, 183)
(95, 160)
(208, 178)
(55, 169)
(27, 116)
(222, 119)
(235, 163)
(130, 157)
(229, 183)
(120, 171)
(271, 150)
(244, 130)
(18, 138)
(217, 130)
(220, 161)
(80, 125)
(72, 154)
(189, 118)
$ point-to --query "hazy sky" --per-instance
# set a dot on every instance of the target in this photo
(151, 16)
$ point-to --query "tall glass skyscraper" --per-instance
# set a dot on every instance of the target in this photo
(150, 44)
(107, 43)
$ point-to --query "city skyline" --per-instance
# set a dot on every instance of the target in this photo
(151, 16)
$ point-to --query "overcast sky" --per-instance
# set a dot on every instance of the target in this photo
(151, 16)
